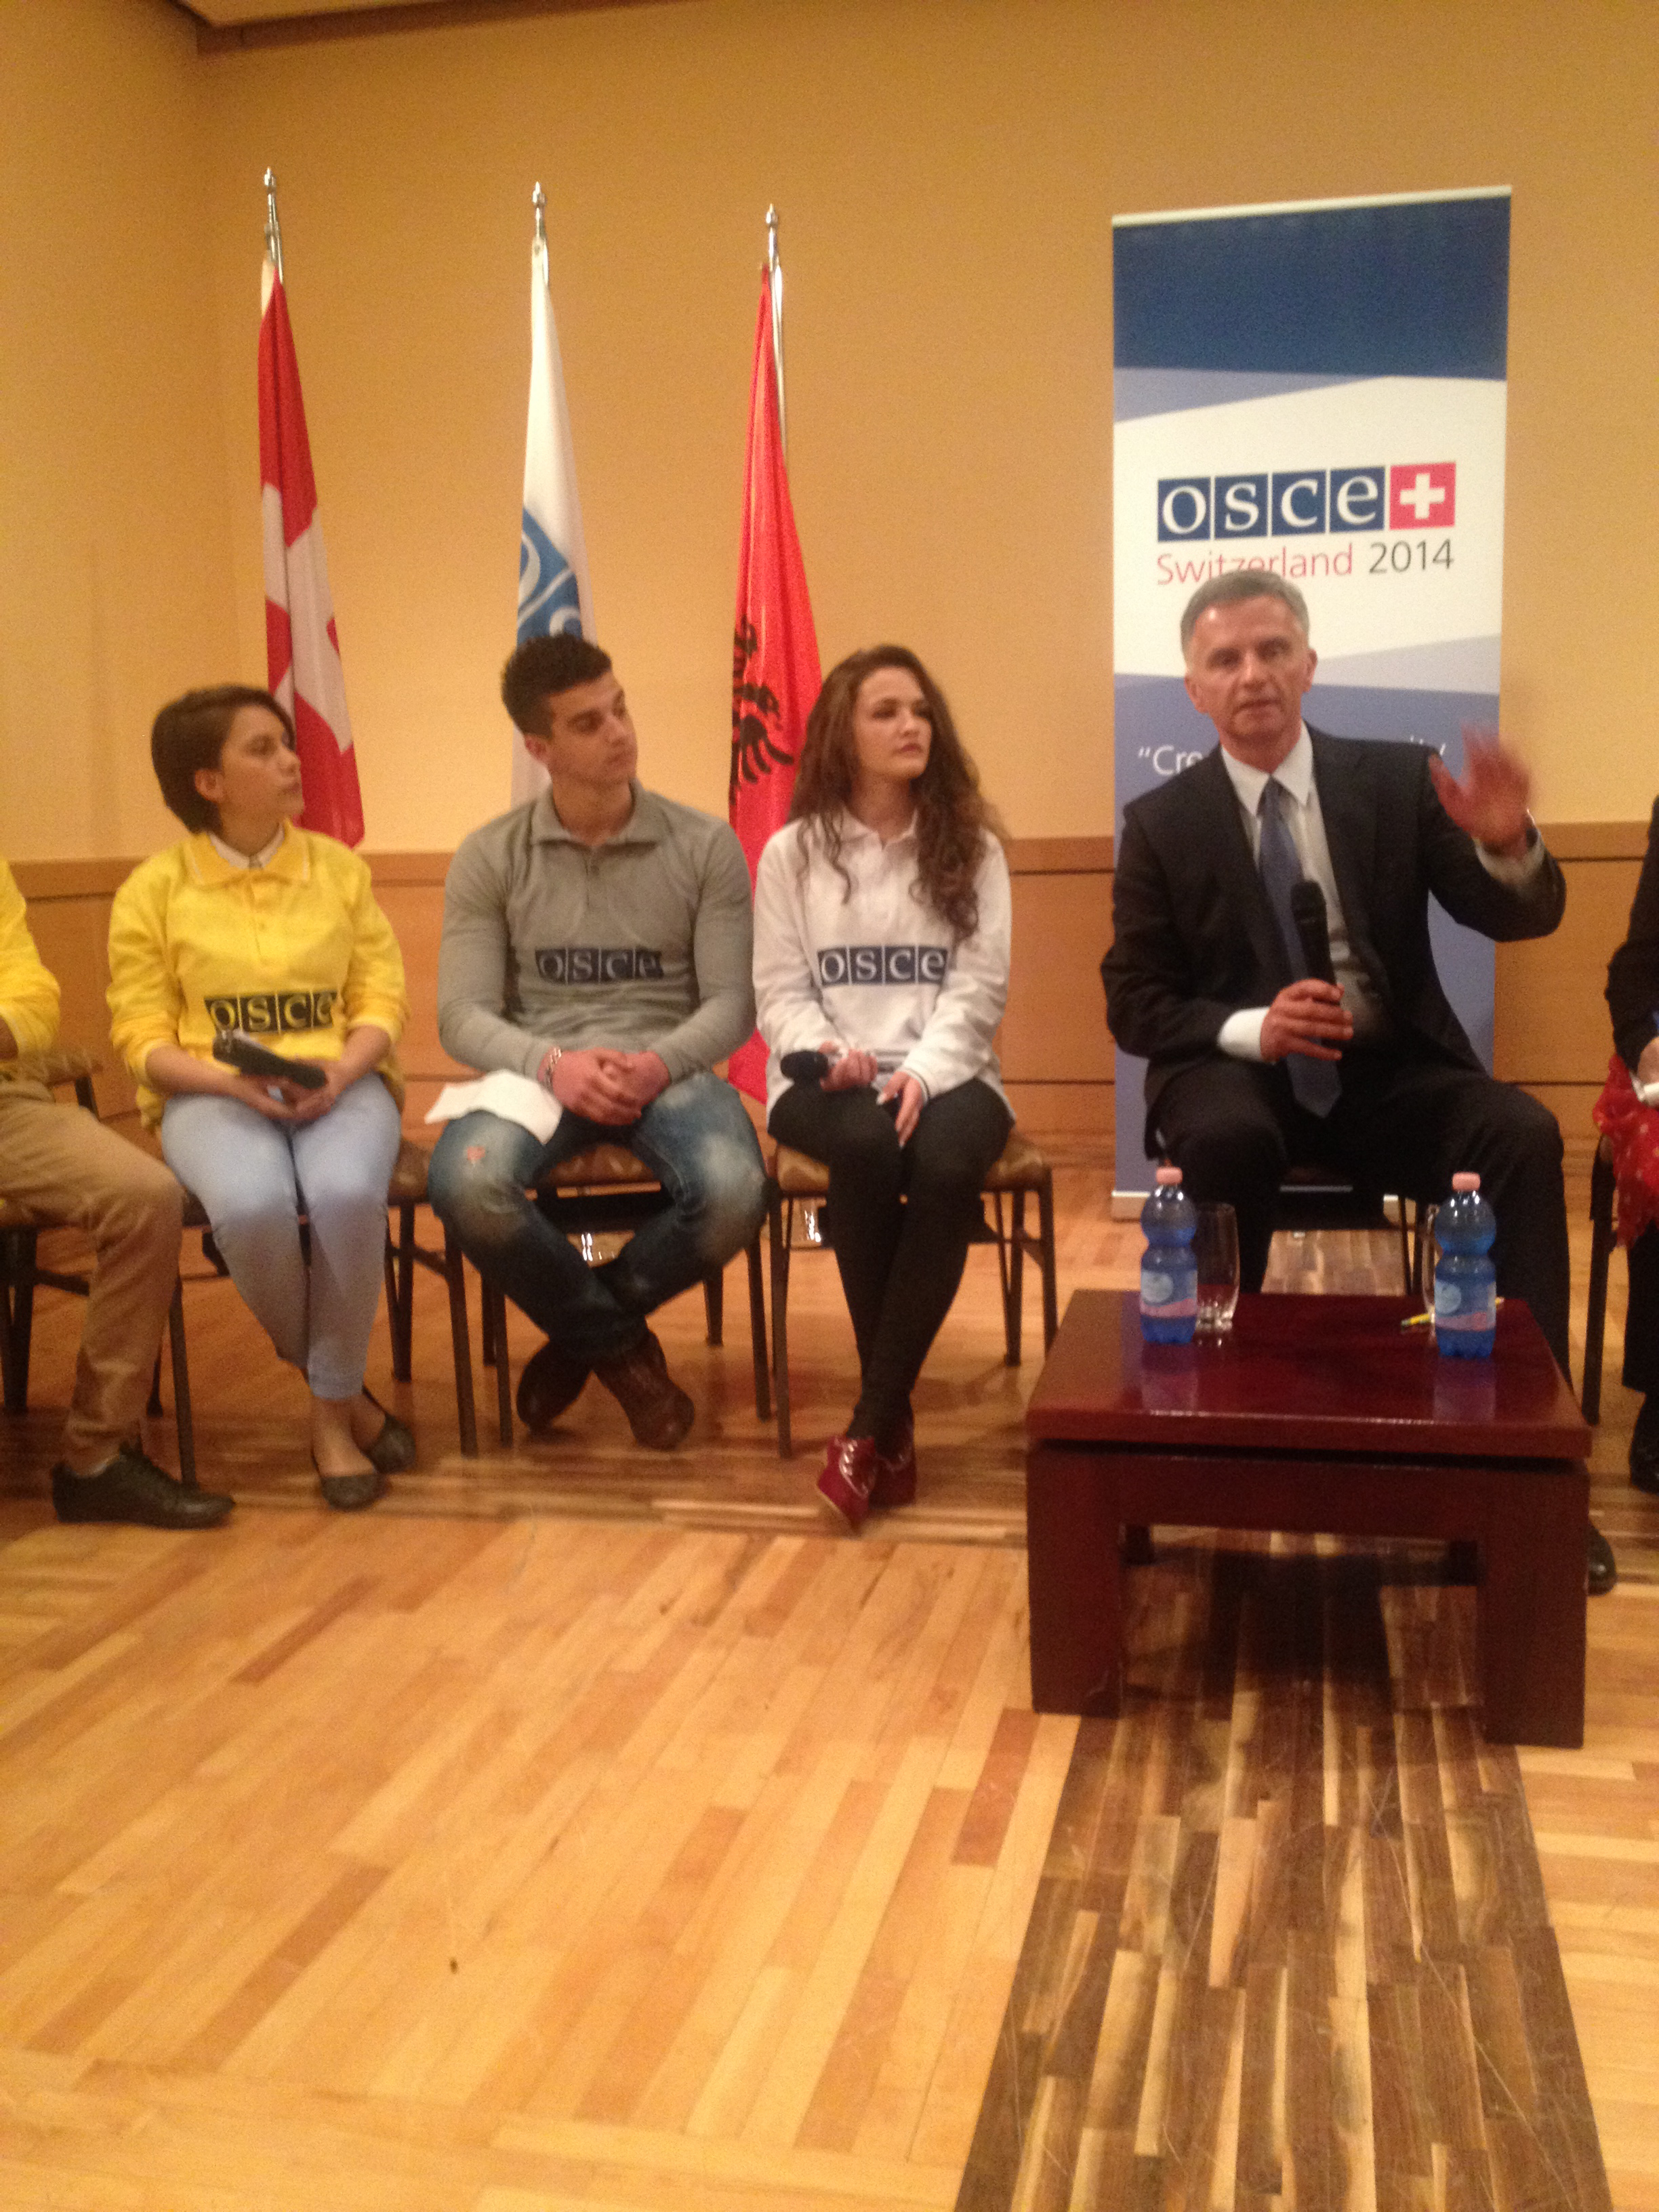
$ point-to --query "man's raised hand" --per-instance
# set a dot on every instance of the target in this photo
(1489, 800)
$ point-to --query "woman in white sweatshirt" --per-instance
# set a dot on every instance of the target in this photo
(881, 941)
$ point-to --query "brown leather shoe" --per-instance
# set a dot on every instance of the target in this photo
(551, 1382)
(658, 1411)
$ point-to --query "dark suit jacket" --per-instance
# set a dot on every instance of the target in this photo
(1194, 939)
(1633, 971)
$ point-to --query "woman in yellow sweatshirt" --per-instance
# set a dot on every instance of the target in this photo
(251, 923)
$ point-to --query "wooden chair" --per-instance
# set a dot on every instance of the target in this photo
(21, 1274)
(592, 1193)
(1603, 1237)
(1022, 1172)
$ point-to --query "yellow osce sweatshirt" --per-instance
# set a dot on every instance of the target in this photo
(29, 993)
(296, 951)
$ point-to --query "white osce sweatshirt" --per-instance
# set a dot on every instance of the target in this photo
(874, 968)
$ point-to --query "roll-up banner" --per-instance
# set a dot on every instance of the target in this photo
(1317, 389)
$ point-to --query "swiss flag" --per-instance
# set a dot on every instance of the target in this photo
(302, 653)
(775, 649)
(1422, 495)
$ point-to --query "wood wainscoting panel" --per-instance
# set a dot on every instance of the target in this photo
(1552, 1022)
(1552, 1033)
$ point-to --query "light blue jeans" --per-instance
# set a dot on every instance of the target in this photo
(698, 1142)
(254, 1177)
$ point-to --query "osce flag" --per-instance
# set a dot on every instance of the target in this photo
(302, 651)
(554, 592)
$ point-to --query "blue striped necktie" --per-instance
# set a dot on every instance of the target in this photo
(1316, 1082)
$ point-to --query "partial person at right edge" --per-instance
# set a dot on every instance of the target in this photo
(883, 920)
(1252, 1061)
(598, 940)
(1628, 1110)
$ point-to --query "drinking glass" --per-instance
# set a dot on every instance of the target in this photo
(1215, 1249)
(1431, 1253)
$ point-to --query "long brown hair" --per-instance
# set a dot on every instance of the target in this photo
(953, 818)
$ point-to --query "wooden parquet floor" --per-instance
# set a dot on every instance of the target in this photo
(573, 1832)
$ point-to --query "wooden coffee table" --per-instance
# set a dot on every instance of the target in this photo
(1312, 1413)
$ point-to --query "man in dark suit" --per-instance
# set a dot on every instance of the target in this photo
(1253, 1062)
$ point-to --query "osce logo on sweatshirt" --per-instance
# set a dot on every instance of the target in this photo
(582, 965)
(273, 1014)
(876, 964)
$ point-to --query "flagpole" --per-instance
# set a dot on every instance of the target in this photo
(538, 201)
(775, 280)
(273, 228)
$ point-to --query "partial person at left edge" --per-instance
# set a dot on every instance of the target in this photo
(597, 941)
(61, 1164)
(249, 923)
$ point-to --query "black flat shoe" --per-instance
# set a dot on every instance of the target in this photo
(133, 1489)
(1603, 1567)
(392, 1451)
(350, 1493)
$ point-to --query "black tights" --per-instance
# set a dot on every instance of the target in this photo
(900, 1219)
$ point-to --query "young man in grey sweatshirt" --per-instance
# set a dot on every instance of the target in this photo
(598, 940)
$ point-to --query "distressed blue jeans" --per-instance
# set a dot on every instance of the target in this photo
(698, 1142)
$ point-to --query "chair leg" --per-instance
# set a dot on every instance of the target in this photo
(758, 1329)
(1046, 1258)
(400, 1293)
(17, 1254)
(494, 1310)
(153, 1405)
(714, 1304)
(460, 1342)
(1595, 1315)
(1014, 1287)
(781, 1215)
(183, 1419)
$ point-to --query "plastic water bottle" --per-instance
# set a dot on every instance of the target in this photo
(1465, 1287)
(1169, 1272)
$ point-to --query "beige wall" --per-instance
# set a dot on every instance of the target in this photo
(115, 583)
(947, 172)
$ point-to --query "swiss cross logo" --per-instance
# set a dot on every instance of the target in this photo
(1422, 495)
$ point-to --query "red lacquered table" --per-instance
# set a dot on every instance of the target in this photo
(1312, 1413)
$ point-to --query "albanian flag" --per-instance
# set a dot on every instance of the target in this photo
(775, 649)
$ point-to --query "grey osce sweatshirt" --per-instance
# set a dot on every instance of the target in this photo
(642, 944)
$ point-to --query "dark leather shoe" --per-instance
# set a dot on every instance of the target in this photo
(133, 1488)
(894, 1482)
(1603, 1567)
(350, 1493)
(849, 1470)
(658, 1411)
(551, 1382)
(1644, 1445)
(392, 1451)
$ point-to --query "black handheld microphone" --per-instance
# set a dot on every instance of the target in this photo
(1308, 913)
(804, 1066)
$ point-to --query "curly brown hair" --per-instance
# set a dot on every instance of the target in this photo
(953, 818)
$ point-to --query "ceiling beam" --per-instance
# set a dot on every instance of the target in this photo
(409, 16)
